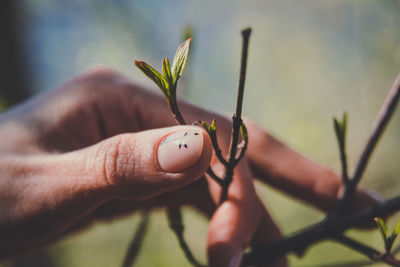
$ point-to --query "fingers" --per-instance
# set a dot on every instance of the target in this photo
(270, 160)
(144, 164)
(53, 191)
(237, 221)
(289, 171)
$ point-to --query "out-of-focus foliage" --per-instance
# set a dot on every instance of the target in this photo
(309, 61)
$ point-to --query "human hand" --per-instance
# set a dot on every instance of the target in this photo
(88, 151)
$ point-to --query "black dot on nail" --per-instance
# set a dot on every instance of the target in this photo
(180, 145)
(185, 145)
(196, 133)
(185, 134)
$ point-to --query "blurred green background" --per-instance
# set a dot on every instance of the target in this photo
(309, 60)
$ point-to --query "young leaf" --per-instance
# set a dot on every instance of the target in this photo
(383, 228)
(396, 229)
(392, 237)
(180, 61)
(155, 76)
(243, 132)
(166, 69)
(206, 126)
(341, 127)
(213, 126)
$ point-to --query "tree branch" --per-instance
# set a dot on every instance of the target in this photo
(371, 253)
(381, 122)
(325, 229)
(236, 118)
(137, 241)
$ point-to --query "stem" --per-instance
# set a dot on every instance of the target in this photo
(137, 241)
(214, 176)
(174, 213)
(325, 229)
(371, 253)
(243, 66)
(173, 107)
(176, 225)
(217, 150)
(381, 122)
(236, 118)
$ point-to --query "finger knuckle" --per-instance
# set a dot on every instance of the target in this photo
(115, 160)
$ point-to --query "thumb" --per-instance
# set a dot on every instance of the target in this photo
(57, 190)
(137, 165)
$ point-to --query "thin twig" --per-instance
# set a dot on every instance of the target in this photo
(381, 122)
(215, 177)
(137, 241)
(371, 253)
(237, 117)
(173, 107)
(325, 229)
(176, 225)
(217, 150)
(337, 224)
(341, 129)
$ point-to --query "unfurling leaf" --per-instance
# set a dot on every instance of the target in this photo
(396, 229)
(243, 132)
(206, 126)
(155, 76)
(180, 61)
(166, 69)
(213, 126)
(383, 228)
(341, 128)
(392, 237)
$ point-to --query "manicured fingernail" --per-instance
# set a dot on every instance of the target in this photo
(237, 258)
(180, 150)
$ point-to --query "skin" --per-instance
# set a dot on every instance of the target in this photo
(86, 152)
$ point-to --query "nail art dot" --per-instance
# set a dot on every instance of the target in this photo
(196, 133)
(185, 145)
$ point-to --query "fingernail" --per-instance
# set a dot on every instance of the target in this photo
(237, 258)
(180, 150)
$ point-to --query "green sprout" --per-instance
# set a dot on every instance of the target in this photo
(168, 80)
(384, 230)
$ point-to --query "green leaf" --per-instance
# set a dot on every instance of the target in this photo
(213, 126)
(383, 228)
(393, 237)
(341, 127)
(155, 76)
(396, 229)
(243, 132)
(166, 69)
(206, 126)
(180, 61)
